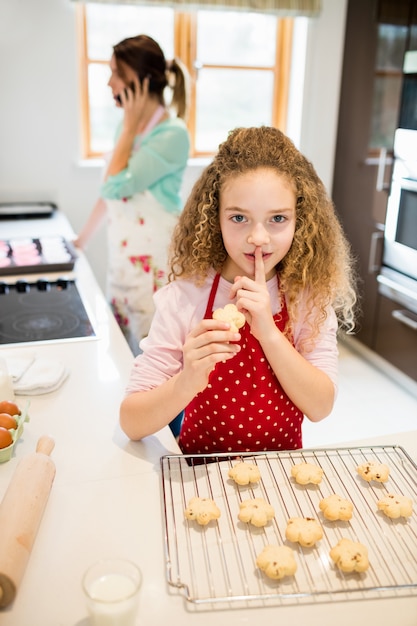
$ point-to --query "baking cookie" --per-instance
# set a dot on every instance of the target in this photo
(256, 511)
(336, 508)
(395, 506)
(230, 314)
(245, 473)
(350, 556)
(372, 470)
(305, 473)
(202, 510)
(277, 561)
(304, 530)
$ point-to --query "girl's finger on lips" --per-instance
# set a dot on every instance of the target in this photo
(259, 267)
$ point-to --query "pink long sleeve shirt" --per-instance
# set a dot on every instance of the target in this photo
(181, 304)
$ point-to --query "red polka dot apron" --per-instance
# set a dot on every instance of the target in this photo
(243, 408)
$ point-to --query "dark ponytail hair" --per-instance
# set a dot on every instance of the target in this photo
(145, 56)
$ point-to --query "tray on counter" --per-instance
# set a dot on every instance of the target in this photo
(216, 563)
(25, 255)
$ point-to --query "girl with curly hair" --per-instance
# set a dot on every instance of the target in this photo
(259, 231)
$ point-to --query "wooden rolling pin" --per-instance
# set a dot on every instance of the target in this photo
(21, 512)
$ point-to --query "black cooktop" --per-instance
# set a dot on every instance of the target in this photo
(42, 311)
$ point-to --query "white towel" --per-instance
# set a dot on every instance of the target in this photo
(33, 375)
(18, 364)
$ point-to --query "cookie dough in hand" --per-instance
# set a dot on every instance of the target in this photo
(232, 315)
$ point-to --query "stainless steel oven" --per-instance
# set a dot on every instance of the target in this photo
(396, 323)
(400, 245)
(400, 236)
(398, 276)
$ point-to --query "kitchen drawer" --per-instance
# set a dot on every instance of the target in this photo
(396, 336)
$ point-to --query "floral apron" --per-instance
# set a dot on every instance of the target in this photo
(243, 408)
(139, 234)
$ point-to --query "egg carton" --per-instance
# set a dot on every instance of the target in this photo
(7, 453)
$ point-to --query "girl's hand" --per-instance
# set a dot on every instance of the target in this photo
(207, 344)
(252, 298)
(133, 101)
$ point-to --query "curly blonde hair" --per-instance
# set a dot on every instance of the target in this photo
(319, 262)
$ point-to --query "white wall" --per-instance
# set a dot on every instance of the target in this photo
(322, 80)
(40, 115)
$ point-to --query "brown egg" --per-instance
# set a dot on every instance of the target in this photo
(7, 420)
(6, 406)
(5, 437)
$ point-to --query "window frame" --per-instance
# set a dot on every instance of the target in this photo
(185, 47)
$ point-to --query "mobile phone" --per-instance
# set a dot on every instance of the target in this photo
(131, 87)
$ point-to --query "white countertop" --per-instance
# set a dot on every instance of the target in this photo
(106, 499)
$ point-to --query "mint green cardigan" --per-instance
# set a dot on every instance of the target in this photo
(157, 164)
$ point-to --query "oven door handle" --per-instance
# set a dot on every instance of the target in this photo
(406, 318)
(395, 287)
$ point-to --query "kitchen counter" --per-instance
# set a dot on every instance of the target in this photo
(106, 498)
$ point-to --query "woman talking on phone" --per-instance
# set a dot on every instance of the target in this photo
(140, 193)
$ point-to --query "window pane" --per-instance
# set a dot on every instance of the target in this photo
(413, 37)
(234, 38)
(391, 46)
(104, 115)
(108, 24)
(227, 99)
(387, 85)
(387, 91)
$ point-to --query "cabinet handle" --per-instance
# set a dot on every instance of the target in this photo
(405, 317)
(380, 176)
(375, 252)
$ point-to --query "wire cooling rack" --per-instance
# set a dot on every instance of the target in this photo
(216, 563)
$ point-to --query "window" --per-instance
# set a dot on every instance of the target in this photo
(239, 65)
(387, 85)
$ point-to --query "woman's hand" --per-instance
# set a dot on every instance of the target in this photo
(207, 344)
(252, 298)
(133, 100)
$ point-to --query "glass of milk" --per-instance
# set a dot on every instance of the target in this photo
(111, 588)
